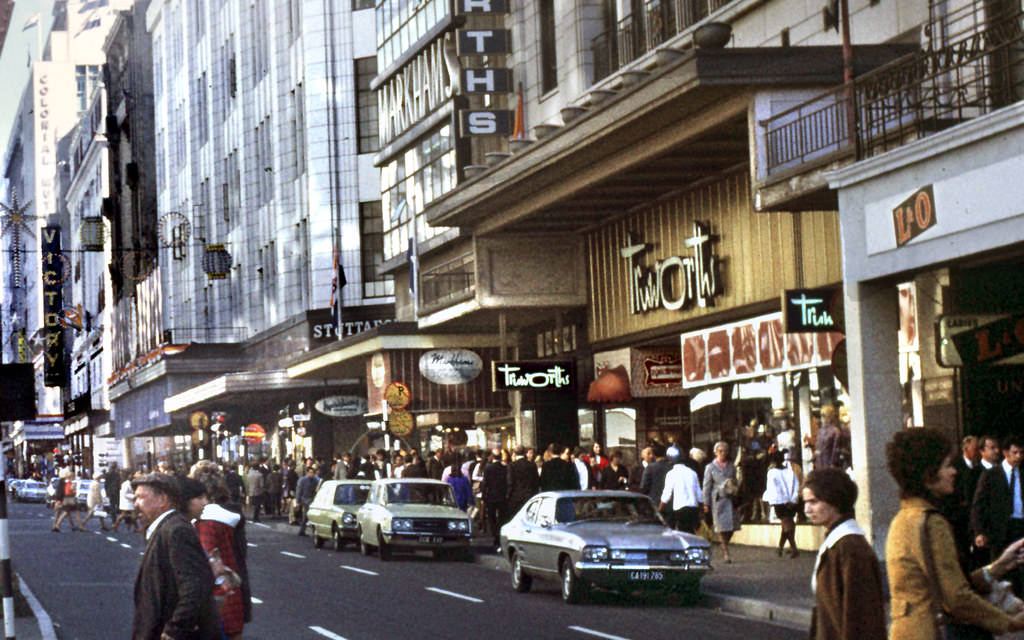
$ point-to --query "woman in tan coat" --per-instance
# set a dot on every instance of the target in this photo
(921, 462)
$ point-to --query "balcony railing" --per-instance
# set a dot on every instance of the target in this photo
(970, 73)
(448, 283)
(634, 36)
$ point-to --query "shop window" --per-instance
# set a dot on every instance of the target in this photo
(548, 344)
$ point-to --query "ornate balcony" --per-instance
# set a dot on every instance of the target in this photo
(976, 68)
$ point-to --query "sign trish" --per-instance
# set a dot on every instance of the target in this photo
(537, 376)
(812, 310)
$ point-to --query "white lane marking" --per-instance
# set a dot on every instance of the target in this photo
(255, 600)
(251, 544)
(260, 524)
(292, 555)
(112, 539)
(326, 633)
(596, 633)
(42, 618)
(99, 533)
(126, 546)
(453, 594)
(358, 570)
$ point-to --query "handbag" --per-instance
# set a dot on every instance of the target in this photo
(945, 627)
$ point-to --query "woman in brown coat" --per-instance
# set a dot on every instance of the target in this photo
(847, 581)
(921, 462)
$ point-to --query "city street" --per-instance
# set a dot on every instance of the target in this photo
(84, 581)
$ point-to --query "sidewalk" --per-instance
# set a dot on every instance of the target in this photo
(758, 584)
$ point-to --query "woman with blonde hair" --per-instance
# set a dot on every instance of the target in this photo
(222, 530)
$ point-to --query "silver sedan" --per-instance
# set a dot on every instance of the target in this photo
(608, 539)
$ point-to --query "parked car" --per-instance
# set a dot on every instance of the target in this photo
(82, 493)
(30, 491)
(12, 487)
(332, 515)
(411, 514)
(608, 539)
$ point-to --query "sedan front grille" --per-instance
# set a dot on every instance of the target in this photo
(430, 525)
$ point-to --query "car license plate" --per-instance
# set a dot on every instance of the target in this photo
(646, 576)
(431, 539)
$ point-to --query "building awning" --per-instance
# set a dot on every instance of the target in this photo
(38, 430)
(687, 120)
(347, 358)
(246, 382)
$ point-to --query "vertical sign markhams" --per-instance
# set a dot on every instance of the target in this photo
(53, 334)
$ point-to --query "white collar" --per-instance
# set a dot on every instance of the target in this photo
(845, 528)
(151, 529)
(968, 462)
(1007, 469)
(985, 463)
(218, 513)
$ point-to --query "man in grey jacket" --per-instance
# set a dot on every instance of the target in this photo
(305, 490)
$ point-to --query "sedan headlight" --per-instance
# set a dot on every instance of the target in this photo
(595, 554)
(458, 525)
(401, 524)
(348, 518)
(698, 554)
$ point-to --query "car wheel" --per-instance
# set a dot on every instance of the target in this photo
(318, 542)
(520, 581)
(364, 549)
(573, 589)
(339, 542)
(382, 547)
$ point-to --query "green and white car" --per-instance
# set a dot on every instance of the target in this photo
(411, 514)
(332, 514)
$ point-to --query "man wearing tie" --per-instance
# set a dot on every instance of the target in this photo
(997, 513)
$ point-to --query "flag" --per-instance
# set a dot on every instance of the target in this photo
(33, 20)
(91, 22)
(519, 128)
(338, 281)
(71, 317)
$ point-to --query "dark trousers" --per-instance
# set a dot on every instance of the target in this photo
(273, 507)
(1014, 532)
(686, 519)
(497, 514)
(257, 504)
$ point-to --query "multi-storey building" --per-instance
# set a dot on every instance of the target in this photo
(267, 213)
(36, 267)
(669, 207)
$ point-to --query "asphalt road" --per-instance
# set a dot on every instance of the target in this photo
(85, 581)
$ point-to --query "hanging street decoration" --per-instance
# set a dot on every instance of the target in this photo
(92, 233)
(216, 262)
(137, 265)
(174, 230)
(14, 220)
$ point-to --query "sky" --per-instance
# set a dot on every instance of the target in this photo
(14, 68)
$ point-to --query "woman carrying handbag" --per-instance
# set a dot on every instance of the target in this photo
(931, 597)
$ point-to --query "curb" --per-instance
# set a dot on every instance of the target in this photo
(39, 614)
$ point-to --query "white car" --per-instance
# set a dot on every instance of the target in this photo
(30, 491)
(411, 513)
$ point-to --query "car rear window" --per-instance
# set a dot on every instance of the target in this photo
(351, 493)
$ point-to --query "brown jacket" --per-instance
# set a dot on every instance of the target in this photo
(912, 613)
(849, 601)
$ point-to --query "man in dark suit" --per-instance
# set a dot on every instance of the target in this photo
(494, 489)
(653, 481)
(174, 586)
(523, 480)
(957, 506)
(997, 512)
(558, 473)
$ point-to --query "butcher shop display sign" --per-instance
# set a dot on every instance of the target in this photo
(751, 348)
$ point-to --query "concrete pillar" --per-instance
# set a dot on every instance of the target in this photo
(872, 322)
